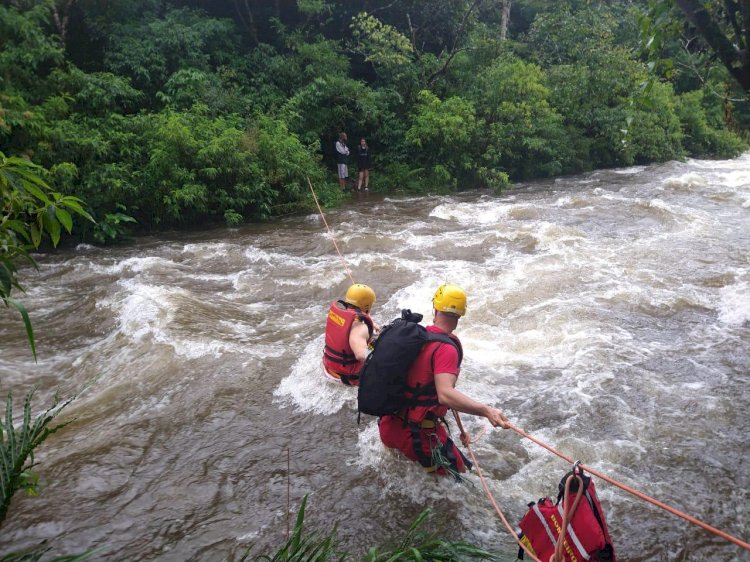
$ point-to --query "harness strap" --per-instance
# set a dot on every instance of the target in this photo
(424, 395)
(349, 379)
(416, 443)
(339, 357)
(447, 449)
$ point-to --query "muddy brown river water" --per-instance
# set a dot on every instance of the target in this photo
(609, 315)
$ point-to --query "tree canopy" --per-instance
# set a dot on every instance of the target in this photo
(184, 112)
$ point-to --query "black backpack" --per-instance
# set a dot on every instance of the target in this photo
(382, 381)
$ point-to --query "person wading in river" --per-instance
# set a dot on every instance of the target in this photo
(349, 329)
(420, 432)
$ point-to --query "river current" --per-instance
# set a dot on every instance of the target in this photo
(608, 315)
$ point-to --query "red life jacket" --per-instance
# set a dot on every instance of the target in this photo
(421, 382)
(338, 357)
(587, 536)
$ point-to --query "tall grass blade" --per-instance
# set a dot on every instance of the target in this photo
(417, 546)
(18, 305)
(18, 444)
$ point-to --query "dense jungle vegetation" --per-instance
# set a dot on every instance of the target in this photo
(192, 112)
(156, 114)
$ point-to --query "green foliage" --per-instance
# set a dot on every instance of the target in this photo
(565, 36)
(113, 226)
(325, 106)
(494, 179)
(285, 162)
(718, 28)
(701, 135)
(381, 44)
(96, 93)
(622, 125)
(191, 166)
(313, 7)
(403, 177)
(654, 132)
(442, 135)
(151, 49)
(306, 547)
(27, 50)
(271, 77)
(31, 212)
(186, 87)
(524, 134)
(416, 546)
(319, 57)
(187, 117)
(17, 445)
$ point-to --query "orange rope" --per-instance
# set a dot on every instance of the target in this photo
(466, 441)
(343, 261)
(638, 494)
(522, 433)
(568, 513)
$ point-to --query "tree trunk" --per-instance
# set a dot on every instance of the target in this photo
(62, 17)
(735, 59)
(505, 19)
(455, 49)
(245, 15)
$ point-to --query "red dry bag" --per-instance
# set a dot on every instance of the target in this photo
(587, 537)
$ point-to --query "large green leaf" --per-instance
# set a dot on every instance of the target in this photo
(35, 191)
(27, 323)
(65, 219)
(74, 204)
(36, 235)
(52, 225)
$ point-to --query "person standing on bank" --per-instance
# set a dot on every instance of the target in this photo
(349, 329)
(342, 157)
(420, 432)
(364, 163)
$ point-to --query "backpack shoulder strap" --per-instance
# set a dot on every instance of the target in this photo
(367, 321)
(444, 338)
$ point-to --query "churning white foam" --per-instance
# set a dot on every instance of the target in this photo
(145, 309)
(134, 265)
(208, 249)
(734, 303)
(307, 388)
(685, 182)
(488, 212)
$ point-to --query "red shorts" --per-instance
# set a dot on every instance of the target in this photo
(417, 443)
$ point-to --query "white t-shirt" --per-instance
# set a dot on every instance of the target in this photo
(341, 148)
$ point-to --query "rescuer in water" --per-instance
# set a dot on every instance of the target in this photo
(349, 330)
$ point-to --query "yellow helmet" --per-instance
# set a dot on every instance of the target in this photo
(450, 298)
(361, 296)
